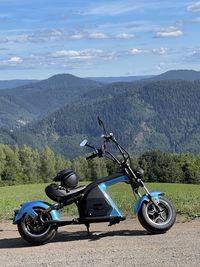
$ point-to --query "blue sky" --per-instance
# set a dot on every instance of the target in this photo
(97, 38)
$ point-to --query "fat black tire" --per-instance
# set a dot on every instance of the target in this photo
(152, 221)
(36, 237)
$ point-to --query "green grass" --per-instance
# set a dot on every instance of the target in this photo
(186, 198)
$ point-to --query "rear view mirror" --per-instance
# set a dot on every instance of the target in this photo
(84, 142)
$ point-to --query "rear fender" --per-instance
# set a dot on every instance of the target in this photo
(28, 208)
(138, 204)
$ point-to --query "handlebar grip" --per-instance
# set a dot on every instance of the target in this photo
(94, 155)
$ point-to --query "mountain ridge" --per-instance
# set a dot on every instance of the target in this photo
(186, 75)
(9, 84)
(176, 74)
(41, 98)
(148, 114)
(156, 115)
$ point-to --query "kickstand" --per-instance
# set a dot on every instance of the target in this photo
(88, 228)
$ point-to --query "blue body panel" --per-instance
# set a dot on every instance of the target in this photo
(115, 212)
(138, 205)
(28, 208)
(103, 187)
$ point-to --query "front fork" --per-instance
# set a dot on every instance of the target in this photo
(139, 183)
(152, 196)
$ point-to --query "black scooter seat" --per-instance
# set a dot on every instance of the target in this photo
(76, 190)
(60, 194)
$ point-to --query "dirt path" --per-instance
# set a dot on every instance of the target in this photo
(125, 244)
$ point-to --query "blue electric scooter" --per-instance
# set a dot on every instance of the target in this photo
(38, 221)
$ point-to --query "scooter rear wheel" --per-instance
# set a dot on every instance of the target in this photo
(36, 232)
(157, 222)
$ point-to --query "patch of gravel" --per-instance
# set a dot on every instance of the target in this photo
(124, 244)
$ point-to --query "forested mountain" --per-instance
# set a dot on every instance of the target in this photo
(12, 113)
(143, 115)
(186, 75)
(7, 84)
(26, 103)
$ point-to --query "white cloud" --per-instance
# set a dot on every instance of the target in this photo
(13, 61)
(194, 7)
(64, 58)
(110, 9)
(192, 54)
(47, 35)
(164, 66)
(158, 67)
(160, 51)
(124, 36)
(168, 32)
(135, 51)
(97, 35)
(196, 20)
(76, 36)
(53, 35)
(74, 54)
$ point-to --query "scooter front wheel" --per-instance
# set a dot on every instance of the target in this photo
(36, 231)
(154, 221)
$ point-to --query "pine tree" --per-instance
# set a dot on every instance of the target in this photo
(47, 168)
(29, 164)
(80, 166)
(12, 172)
(98, 169)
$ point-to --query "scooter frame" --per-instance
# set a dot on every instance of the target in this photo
(115, 215)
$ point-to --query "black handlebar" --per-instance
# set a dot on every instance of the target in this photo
(97, 153)
(94, 155)
(102, 151)
(107, 137)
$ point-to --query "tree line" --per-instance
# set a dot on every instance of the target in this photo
(21, 165)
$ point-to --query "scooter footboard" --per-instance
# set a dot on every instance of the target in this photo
(154, 194)
(28, 208)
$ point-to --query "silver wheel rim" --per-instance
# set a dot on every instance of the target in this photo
(161, 218)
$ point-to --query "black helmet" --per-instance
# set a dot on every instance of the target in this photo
(67, 178)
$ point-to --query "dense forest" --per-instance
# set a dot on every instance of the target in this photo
(22, 165)
(35, 100)
(43, 122)
(143, 116)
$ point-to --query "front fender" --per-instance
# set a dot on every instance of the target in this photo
(138, 204)
(28, 208)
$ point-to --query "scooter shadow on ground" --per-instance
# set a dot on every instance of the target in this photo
(96, 235)
(69, 237)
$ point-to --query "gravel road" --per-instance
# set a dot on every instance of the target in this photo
(124, 244)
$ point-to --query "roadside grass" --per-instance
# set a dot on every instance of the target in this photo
(185, 198)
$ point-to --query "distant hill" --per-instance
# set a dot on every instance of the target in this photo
(186, 75)
(119, 79)
(161, 115)
(38, 99)
(157, 113)
(15, 83)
